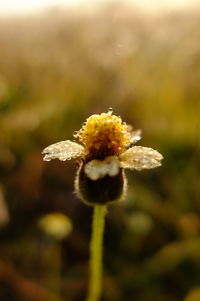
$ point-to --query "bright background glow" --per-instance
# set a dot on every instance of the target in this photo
(23, 6)
(27, 6)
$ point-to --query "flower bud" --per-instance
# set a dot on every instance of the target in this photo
(102, 191)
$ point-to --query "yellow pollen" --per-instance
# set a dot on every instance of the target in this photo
(104, 134)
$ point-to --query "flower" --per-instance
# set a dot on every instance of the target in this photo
(106, 149)
(55, 225)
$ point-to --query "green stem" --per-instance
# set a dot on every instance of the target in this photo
(96, 252)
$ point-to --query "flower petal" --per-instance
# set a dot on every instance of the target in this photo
(136, 136)
(138, 157)
(97, 169)
(63, 150)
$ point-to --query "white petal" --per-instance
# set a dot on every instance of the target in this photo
(63, 150)
(97, 169)
(136, 136)
(138, 157)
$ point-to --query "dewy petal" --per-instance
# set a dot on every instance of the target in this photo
(136, 136)
(97, 169)
(63, 150)
(138, 157)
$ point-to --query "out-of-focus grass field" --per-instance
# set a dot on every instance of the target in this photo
(58, 68)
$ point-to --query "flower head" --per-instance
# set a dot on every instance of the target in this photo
(104, 134)
(55, 225)
(105, 151)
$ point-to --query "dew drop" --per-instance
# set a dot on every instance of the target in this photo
(47, 159)
(63, 159)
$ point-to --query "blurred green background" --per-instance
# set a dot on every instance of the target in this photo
(58, 68)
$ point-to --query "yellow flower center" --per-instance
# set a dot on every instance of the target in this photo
(104, 135)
